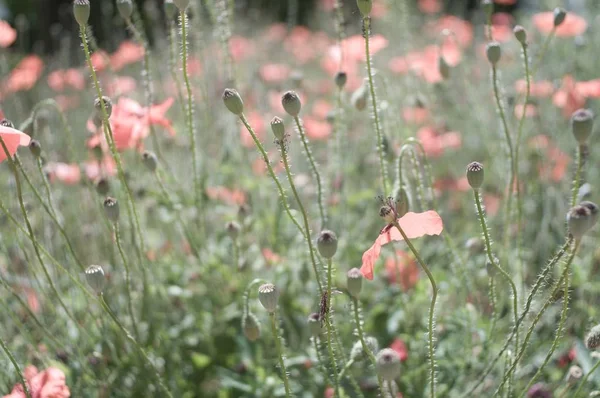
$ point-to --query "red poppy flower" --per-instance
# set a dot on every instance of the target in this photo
(354, 46)
(51, 383)
(12, 139)
(270, 256)
(399, 346)
(529, 110)
(573, 25)
(121, 85)
(589, 89)
(100, 60)
(414, 225)
(402, 269)
(8, 35)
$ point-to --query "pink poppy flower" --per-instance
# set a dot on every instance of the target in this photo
(274, 73)
(402, 269)
(429, 6)
(540, 89)
(589, 89)
(270, 256)
(435, 143)
(529, 110)
(258, 125)
(12, 138)
(354, 46)
(24, 76)
(223, 194)
(414, 225)
(463, 30)
(68, 174)
(316, 129)
(100, 60)
(60, 79)
(241, 48)
(321, 108)
(573, 25)
(121, 85)
(568, 97)
(399, 346)
(415, 114)
(8, 35)
(128, 53)
(51, 383)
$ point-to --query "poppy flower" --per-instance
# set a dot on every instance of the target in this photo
(556, 162)
(502, 30)
(321, 108)
(568, 97)
(415, 114)
(399, 346)
(128, 53)
(402, 269)
(24, 76)
(51, 383)
(316, 129)
(274, 73)
(121, 85)
(573, 25)
(462, 30)
(435, 143)
(100, 60)
(429, 6)
(95, 169)
(68, 174)
(240, 48)
(354, 46)
(8, 35)
(61, 79)
(414, 225)
(12, 139)
(589, 89)
(223, 194)
(259, 126)
(270, 256)
(540, 89)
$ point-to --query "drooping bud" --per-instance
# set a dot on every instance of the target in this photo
(278, 128)
(102, 186)
(268, 296)
(150, 160)
(111, 209)
(593, 208)
(233, 229)
(291, 103)
(170, 9)
(359, 97)
(365, 7)
(107, 106)
(314, 324)
(474, 245)
(327, 243)
(475, 174)
(582, 124)
(182, 4)
(357, 352)
(81, 11)
(521, 34)
(251, 327)
(125, 8)
(94, 275)
(233, 101)
(354, 282)
(579, 221)
(402, 202)
(35, 148)
(559, 16)
(388, 364)
(592, 341)
(493, 52)
(340, 79)
(574, 375)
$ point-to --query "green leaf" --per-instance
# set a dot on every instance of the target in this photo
(200, 361)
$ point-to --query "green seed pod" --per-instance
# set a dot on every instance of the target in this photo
(251, 327)
(233, 229)
(233, 101)
(582, 124)
(475, 174)
(493, 52)
(94, 275)
(35, 148)
(592, 341)
(559, 16)
(278, 128)
(579, 220)
(402, 202)
(268, 296)
(327, 243)
(111, 209)
(291, 103)
(314, 324)
(125, 8)
(107, 106)
(150, 160)
(354, 282)
(81, 11)
(521, 34)
(388, 364)
(182, 4)
(170, 9)
(340, 79)
(365, 7)
(102, 186)
(444, 68)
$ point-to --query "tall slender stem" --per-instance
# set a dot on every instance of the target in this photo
(577, 178)
(329, 326)
(127, 277)
(363, 343)
(284, 375)
(17, 367)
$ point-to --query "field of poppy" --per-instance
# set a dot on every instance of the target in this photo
(393, 201)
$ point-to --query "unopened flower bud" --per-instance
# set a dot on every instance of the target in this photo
(111, 209)
(359, 97)
(102, 186)
(579, 220)
(592, 341)
(125, 8)
(521, 34)
(251, 327)
(182, 4)
(443, 67)
(327, 243)
(574, 375)
(278, 128)
(170, 9)
(35, 148)
(559, 16)
(94, 275)
(358, 353)
(268, 296)
(354, 282)
(475, 175)
(582, 123)
(593, 208)
(107, 106)
(340, 79)
(291, 103)
(233, 229)
(314, 324)
(493, 52)
(81, 11)
(364, 6)
(150, 160)
(388, 364)
(233, 101)
(402, 202)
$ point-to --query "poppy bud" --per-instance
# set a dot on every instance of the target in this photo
(402, 202)
(81, 11)
(102, 186)
(364, 6)
(251, 327)
(291, 103)
(488, 7)
(233, 229)
(94, 275)
(443, 67)
(268, 296)
(125, 8)
(182, 4)
(327, 244)
(354, 282)
(593, 208)
(150, 160)
(493, 52)
(359, 97)
(278, 128)
(559, 16)
(475, 245)
(111, 209)
(475, 174)
(314, 324)
(107, 106)
(233, 101)
(592, 341)
(579, 220)
(388, 364)
(340, 79)
(358, 353)
(243, 212)
(521, 34)
(170, 9)
(35, 148)
(582, 123)
(574, 375)
(7, 123)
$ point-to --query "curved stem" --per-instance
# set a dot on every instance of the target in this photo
(363, 343)
(431, 324)
(284, 375)
(542, 52)
(127, 278)
(40, 168)
(17, 367)
(329, 326)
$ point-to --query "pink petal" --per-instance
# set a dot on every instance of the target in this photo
(414, 225)
(13, 139)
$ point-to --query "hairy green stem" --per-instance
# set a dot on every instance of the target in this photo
(363, 342)
(17, 367)
(127, 277)
(577, 178)
(284, 375)
(329, 327)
